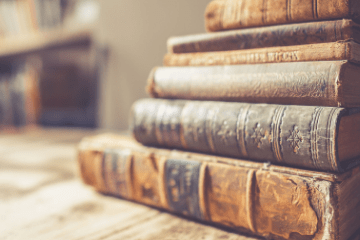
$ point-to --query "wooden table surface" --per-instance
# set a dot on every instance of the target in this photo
(42, 197)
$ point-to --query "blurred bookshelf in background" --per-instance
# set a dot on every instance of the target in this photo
(50, 64)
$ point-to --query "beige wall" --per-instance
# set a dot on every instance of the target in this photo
(136, 32)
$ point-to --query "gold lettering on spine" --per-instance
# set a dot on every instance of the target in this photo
(314, 136)
(162, 183)
(330, 143)
(240, 130)
(250, 191)
(158, 123)
(232, 58)
(276, 132)
(202, 192)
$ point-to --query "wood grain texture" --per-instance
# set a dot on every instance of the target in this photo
(269, 36)
(233, 14)
(270, 201)
(42, 197)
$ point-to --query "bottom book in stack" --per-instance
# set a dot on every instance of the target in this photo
(256, 198)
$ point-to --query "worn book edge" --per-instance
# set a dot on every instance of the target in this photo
(268, 36)
(343, 50)
(230, 14)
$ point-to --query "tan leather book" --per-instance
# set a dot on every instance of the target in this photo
(320, 138)
(234, 14)
(299, 53)
(253, 198)
(322, 83)
(269, 36)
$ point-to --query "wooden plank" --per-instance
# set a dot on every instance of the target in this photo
(42, 197)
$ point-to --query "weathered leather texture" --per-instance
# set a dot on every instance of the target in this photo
(333, 51)
(299, 136)
(278, 203)
(235, 14)
(322, 83)
(270, 36)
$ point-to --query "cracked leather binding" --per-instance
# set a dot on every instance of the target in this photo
(259, 199)
(300, 136)
(270, 36)
(322, 83)
(234, 14)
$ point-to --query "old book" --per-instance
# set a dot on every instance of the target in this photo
(6, 111)
(321, 138)
(299, 53)
(233, 14)
(269, 36)
(260, 199)
(323, 83)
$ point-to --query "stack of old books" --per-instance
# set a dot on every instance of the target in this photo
(282, 98)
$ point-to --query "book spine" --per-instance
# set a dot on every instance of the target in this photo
(270, 36)
(234, 14)
(17, 93)
(300, 53)
(251, 200)
(299, 83)
(3, 101)
(6, 105)
(300, 136)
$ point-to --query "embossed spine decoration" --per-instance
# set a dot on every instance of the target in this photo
(234, 202)
(302, 136)
(298, 83)
(233, 14)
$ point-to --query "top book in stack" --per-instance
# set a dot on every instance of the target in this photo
(235, 14)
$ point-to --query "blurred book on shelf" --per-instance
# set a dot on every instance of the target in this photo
(69, 85)
(19, 96)
(26, 16)
(48, 66)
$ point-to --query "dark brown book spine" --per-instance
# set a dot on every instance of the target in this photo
(263, 201)
(234, 14)
(300, 136)
(270, 36)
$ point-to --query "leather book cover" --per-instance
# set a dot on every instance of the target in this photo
(309, 137)
(321, 83)
(333, 51)
(269, 36)
(235, 14)
(253, 198)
